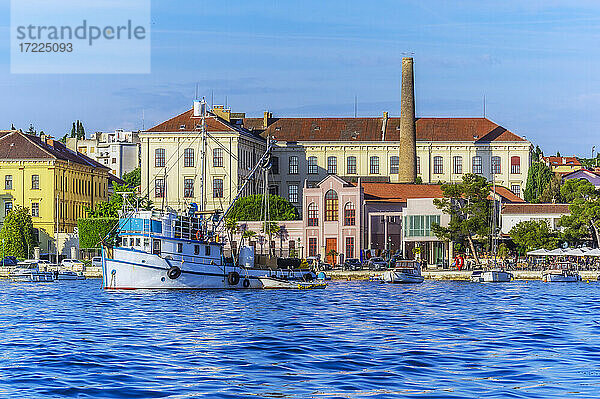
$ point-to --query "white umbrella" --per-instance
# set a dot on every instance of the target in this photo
(574, 252)
(593, 252)
(538, 252)
(556, 251)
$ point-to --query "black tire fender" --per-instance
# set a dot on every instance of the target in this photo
(174, 272)
(233, 278)
(246, 283)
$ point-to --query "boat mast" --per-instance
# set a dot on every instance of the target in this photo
(203, 156)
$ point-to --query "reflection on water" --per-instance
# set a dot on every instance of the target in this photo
(354, 340)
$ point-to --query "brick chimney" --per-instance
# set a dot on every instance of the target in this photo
(266, 119)
(384, 125)
(408, 132)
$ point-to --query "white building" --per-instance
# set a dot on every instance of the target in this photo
(118, 150)
(513, 214)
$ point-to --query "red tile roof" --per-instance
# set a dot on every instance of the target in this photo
(508, 195)
(400, 192)
(558, 161)
(18, 145)
(529, 209)
(185, 122)
(370, 129)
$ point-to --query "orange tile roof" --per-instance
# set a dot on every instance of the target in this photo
(400, 192)
(557, 161)
(370, 129)
(508, 195)
(528, 209)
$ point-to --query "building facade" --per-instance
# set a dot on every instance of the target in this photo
(55, 183)
(562, 165)
(172, 161)
(118, 150)
(309, 149)
(589, 175)
(513, 214)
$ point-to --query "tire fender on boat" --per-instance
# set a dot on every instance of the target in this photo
(308, 277)
(246, 283)
(233, 278)
(174, 272)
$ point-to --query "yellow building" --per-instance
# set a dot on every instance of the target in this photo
(56, 184)
(563, 165)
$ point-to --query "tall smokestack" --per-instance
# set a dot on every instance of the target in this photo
(408, 132)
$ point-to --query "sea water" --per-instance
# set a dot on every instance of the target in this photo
(351, 340)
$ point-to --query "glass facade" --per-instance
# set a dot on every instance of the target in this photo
(419, 225)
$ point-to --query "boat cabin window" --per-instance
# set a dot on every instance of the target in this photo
(137, 242)
(156, 247)
(146, 243)
(207, 250)
(179, 247)
(196, 249)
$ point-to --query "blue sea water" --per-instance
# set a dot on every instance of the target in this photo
(351, 340)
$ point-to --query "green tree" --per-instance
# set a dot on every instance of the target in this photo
(249, 208)
(270, 229)
(552, 192)
(133, 178)
(537, 154)
(469, 208)
(17, 233)
(538, 177)
(77, 131)
(231, 227)
(111, 208)
(584, 207)
(530, 235)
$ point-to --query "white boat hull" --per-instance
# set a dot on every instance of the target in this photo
(492, 276)
(396, 277)
(560, 278)
(37, 277)
(140, 270)
(276, 283)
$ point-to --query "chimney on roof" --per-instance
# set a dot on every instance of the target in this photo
(408, 133)
(266, 119)
(384, 125)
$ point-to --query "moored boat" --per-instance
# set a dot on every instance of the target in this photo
(29, 272)
(404, 272)
(491, 276)
(68, 275)
(562, 272)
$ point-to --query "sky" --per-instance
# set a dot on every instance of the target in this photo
(534, 62)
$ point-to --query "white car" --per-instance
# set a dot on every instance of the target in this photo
(97, 261)
(72, 264)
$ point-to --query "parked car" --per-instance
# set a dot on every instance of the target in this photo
(97, 261)
(352, 264)
(377, 263)
(72, 264)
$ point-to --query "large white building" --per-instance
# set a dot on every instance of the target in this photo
(118, 150)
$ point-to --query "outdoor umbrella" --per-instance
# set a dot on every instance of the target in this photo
(538, 252)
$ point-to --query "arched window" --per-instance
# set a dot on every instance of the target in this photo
(477, 167)
(313, 214)
(457, 163)
(394, 164)
(349, 214)
(351, 165)
(331, 206)
(496, 169)
(438, 165)
(312, 166)
(374, 165)
(515, 165)
(332, 165)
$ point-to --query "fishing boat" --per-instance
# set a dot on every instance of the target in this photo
(68, 275)
(29, 272)
(164, 249)
(561, 272)
(404, 272)
(495, 275)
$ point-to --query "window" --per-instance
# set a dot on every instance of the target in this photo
(312, 165)
(496, 165)
(7, 207)
(477, 166)
(349, 214)
(394, 165)
(275, 165)
(179, 247)
(159, 158)
(312, 246)
(515, 165)
(207, 250)
(35, 209)
(196, 249)
(438, 165)
(293, 193)
(188, 158)
(374, 165)
(293, 165)
(217, 188)
(420, 225)
(35, 182)
(188, 188)
(114, 160)
(349, 247)
(313, 214)
(331, 206)
(159, 188)
(331, 165)
(418, 165)
(516, 188)
(218, 157)
(8, 182)
(137, 242)
(457, 164)
(351, 165)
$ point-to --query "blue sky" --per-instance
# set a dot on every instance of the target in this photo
(535, 62)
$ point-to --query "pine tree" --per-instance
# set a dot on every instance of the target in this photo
(73, 131)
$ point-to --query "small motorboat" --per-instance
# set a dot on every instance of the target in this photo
(562, 272)
(280, 283)
(29, 272)
(491, 276)
(67, 275)
(404, 272)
